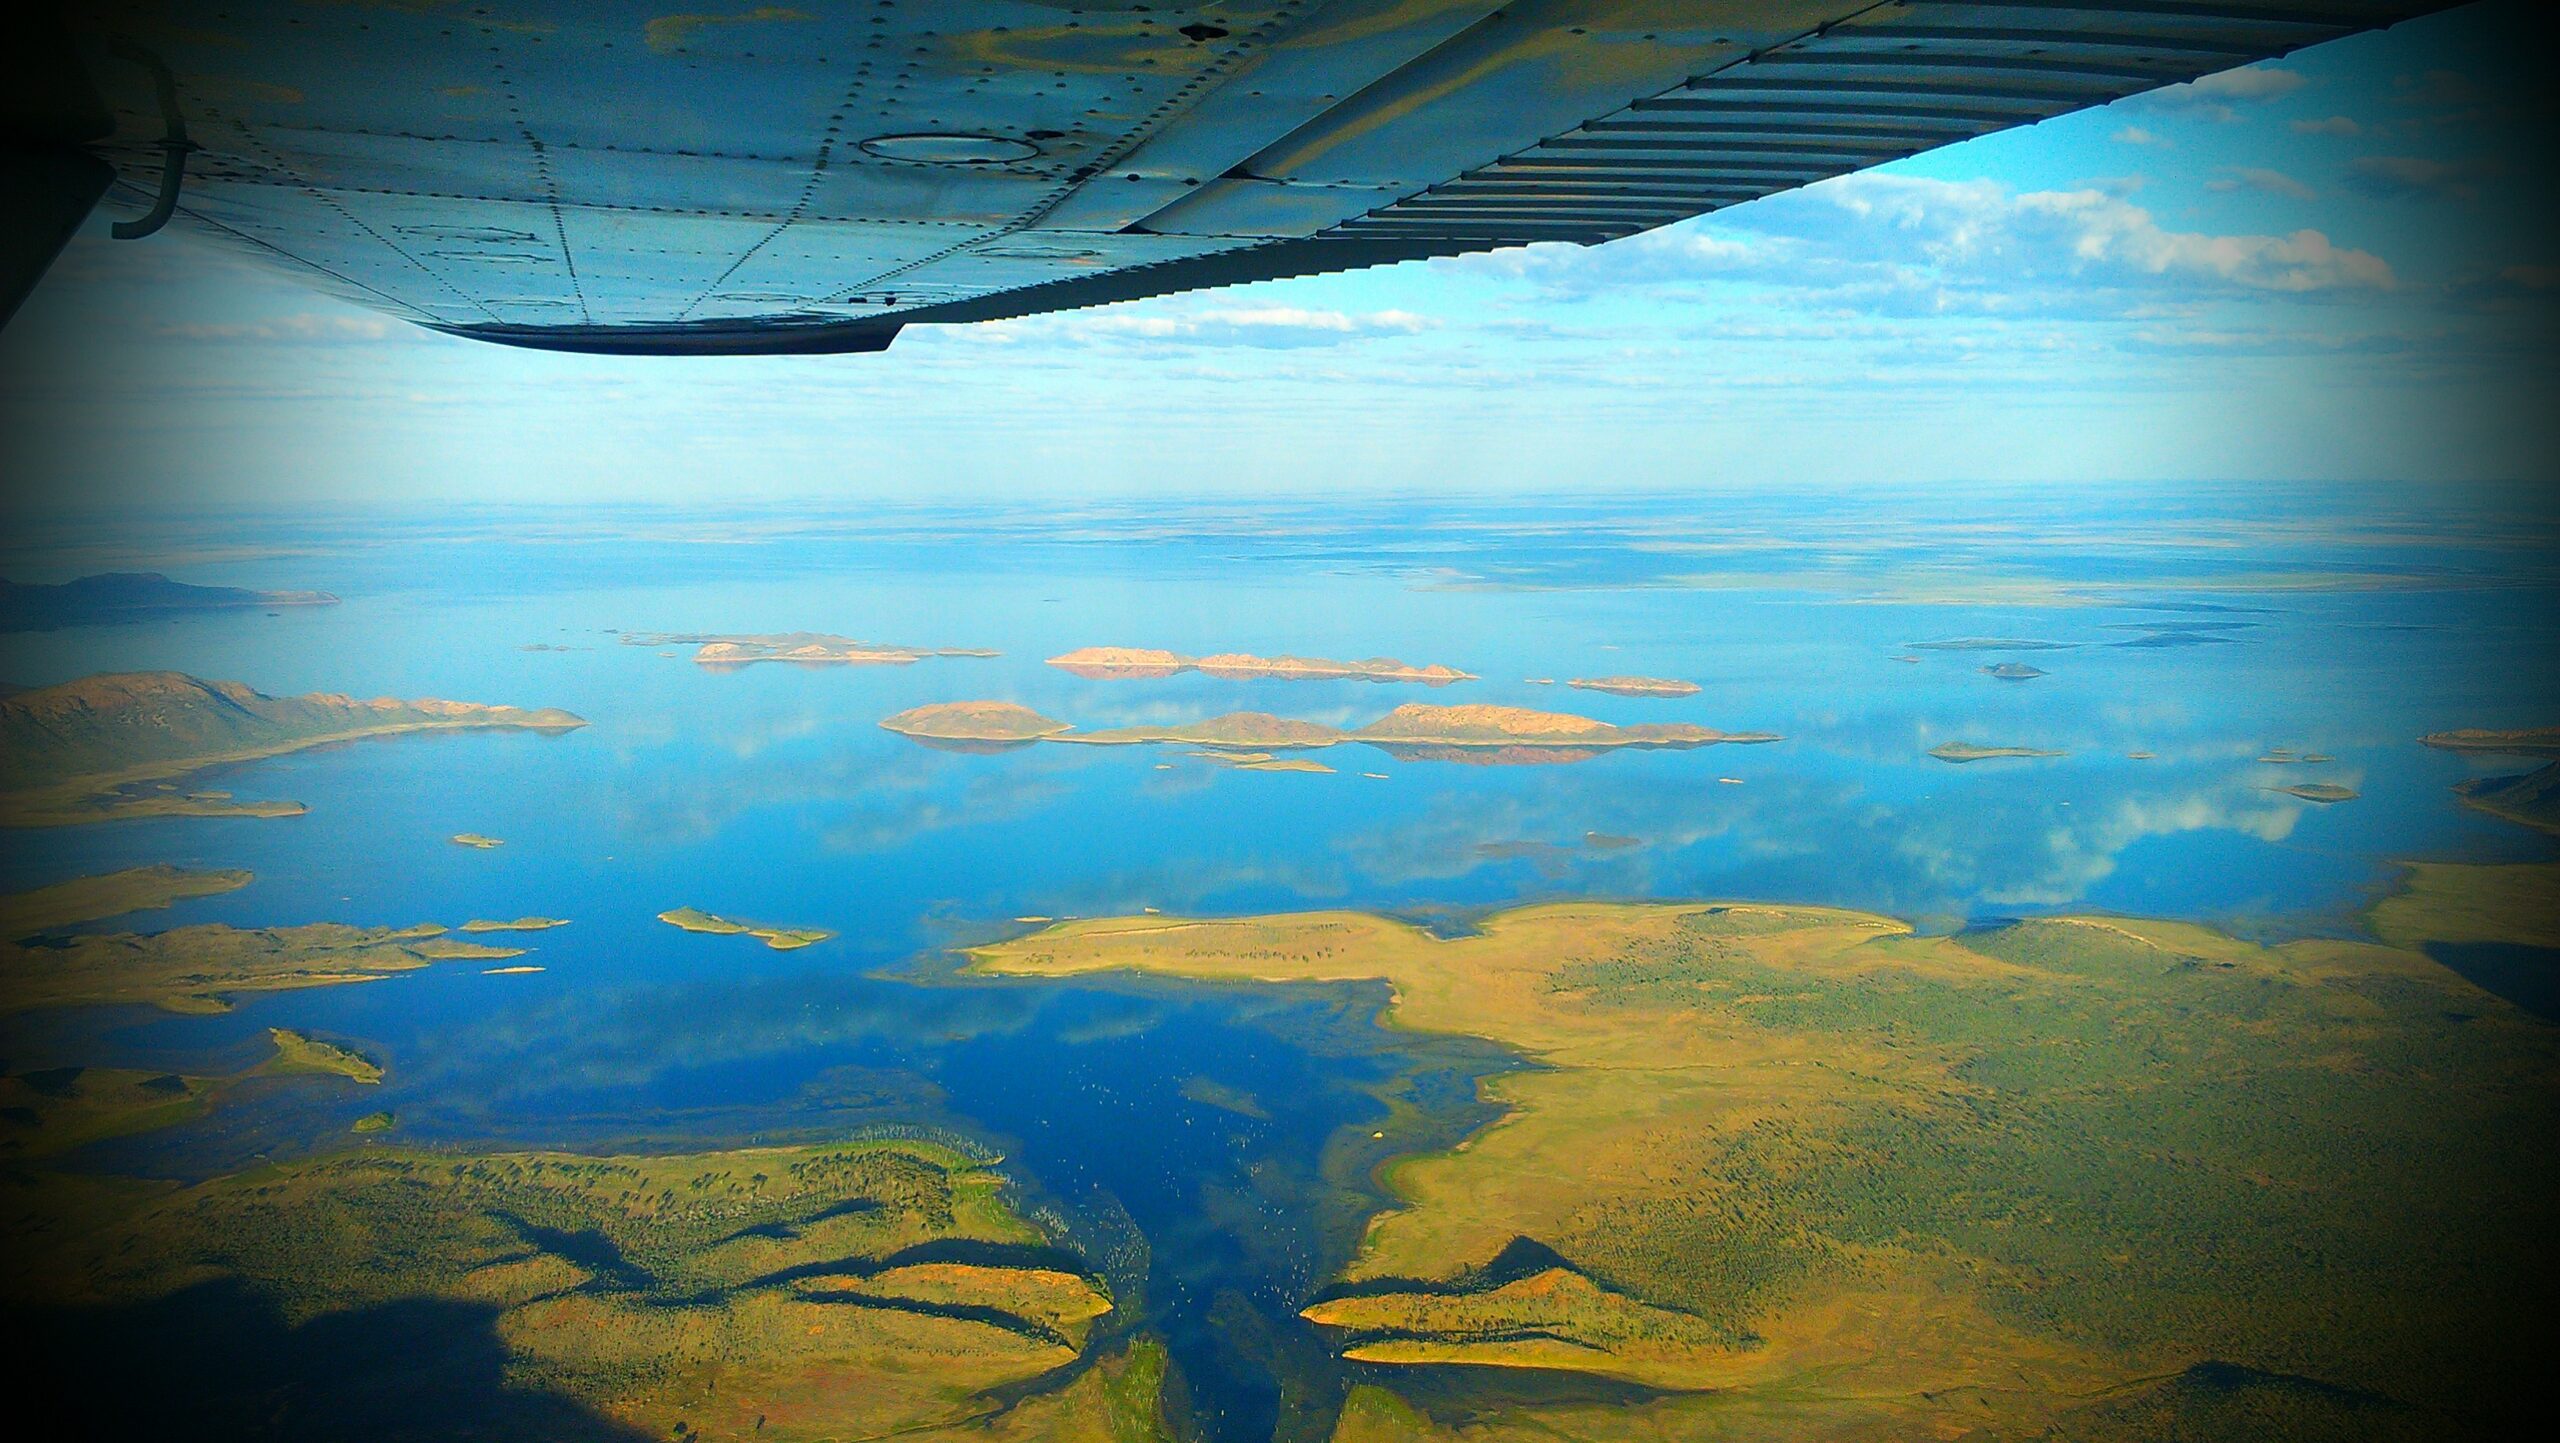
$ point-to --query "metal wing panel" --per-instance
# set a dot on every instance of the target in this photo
(618, 175)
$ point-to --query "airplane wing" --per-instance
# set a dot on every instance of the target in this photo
(810, 176)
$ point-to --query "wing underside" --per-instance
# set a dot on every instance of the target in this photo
(811, 177)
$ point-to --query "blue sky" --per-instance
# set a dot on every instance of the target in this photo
(2335, 266)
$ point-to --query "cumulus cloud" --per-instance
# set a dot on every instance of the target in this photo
(304, 327)
(1260, 327)
(2417, 175)
(2220, 97)
(2271, 182)
(2136, 135)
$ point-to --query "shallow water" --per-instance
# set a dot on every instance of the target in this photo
(1210, 1148)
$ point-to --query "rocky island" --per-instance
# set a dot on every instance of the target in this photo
(1113, 663)
(1635, 685)
(81, 751)
(2015, 671)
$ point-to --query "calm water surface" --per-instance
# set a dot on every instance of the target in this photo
(1211, 1147)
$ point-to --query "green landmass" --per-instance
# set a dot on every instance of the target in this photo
(374, 1122)
(780, 939)
(51, 1110)
(830, 1292)
(1803, 1173)
(199, 968)
(76, 752)
(113, 894)
(2508, 741)
(475, 839)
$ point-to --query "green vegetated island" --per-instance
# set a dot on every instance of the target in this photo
(729, 651)
(2532, 798)
(129, 596)
(780, 939)
(1414, 731)
(107, 746)
(1800, 1172)
(1118, 663)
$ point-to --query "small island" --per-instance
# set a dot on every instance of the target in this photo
(1121, 663)
(2015, 671)
(1971, 752)
(1989, 643)
(2321, 792)
(1474, 733)
(728, 652)
(780, 939)
(298, 1053)
(84, 750)
(474, 839)
(516, 924)
(1635, 685)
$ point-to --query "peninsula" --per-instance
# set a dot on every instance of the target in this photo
(196, 968)
(1112, 663)
(1635, 685)
(2531, 798)
(128, 596)
(81, 751)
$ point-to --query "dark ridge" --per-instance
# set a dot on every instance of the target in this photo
(961, 1312)
(586, 1247)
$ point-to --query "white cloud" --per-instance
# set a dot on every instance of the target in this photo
(2136, 135)
(2271, 182)
(2220, 96)
(2405, 175)
(1272, 327)
(305, 326)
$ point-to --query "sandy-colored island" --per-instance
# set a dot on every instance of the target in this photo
(780, 939)
(730, 651)
(1415, 731)
(2532, 798)
(85, 750)
(1961, 752)
(1635, 685)
(1117, 663)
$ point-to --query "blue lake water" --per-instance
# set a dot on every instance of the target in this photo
(1211, 1146)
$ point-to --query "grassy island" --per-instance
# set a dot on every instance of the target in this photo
(113, 894)
(2052, 1178)
(780, 939)
(78, 752)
